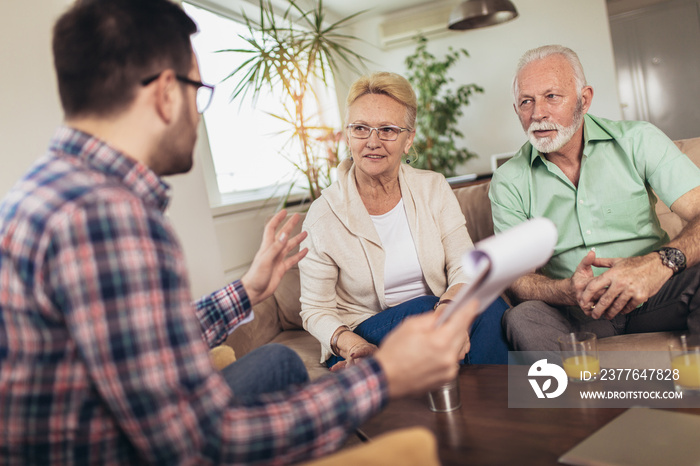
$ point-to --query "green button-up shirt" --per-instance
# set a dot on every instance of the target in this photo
(612, 211)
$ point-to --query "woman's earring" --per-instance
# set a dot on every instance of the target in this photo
(408, 160)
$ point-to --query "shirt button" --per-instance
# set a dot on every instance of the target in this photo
(593, 249)
(580, 201)
(588, 232)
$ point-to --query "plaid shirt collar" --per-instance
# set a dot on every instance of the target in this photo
(70, 142)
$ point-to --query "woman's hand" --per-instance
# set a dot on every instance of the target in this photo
(355, 353)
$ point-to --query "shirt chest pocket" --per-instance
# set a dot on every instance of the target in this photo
(629, 216)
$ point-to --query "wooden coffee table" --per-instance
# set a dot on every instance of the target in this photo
(485, 431)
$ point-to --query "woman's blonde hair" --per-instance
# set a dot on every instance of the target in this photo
(390, 84)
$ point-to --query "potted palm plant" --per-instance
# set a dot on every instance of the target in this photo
(292, 54)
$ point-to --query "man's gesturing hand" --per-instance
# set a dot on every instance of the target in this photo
(627, 284)
(271, 262)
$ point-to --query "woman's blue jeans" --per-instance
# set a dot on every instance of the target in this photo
(488, 341)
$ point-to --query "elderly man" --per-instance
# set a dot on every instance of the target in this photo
(594, 178)
(103, 359)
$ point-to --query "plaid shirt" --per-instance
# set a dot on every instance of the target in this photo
(102, 359)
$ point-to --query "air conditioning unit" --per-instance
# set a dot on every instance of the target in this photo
(399, 30)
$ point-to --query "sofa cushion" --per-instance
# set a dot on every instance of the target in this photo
(288, 292)
(476, 207)
(307, 347)
(287, 296)
(691, 148)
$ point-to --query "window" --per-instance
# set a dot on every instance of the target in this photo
(246, 142)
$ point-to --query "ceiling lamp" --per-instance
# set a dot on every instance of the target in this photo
(473, 14)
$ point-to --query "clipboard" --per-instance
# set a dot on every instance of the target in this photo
(497, 261)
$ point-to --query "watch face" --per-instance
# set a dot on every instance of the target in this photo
(673, 258)
(676, 256)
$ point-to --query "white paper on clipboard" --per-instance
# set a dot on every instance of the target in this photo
(499, 260)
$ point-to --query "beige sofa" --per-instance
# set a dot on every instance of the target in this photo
(277, 318)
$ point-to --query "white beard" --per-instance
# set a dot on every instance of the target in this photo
(563, 133)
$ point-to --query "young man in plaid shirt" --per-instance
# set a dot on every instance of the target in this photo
(103, 358)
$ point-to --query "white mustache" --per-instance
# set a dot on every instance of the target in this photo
(544, 126)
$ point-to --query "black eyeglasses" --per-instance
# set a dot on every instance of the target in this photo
(385, 133)
(204, 91)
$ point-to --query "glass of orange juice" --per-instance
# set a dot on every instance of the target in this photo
(579, 355)
(685, 366)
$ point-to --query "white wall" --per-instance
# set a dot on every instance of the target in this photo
(28, 97)
(30, 109)
(489, 124)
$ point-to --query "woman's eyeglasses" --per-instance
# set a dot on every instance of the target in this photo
(385, 133)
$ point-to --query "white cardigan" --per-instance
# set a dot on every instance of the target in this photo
(342, 276)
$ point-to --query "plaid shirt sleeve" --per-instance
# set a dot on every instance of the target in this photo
(222, 311)
(115, 273)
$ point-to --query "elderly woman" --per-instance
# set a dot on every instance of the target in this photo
(385, 240)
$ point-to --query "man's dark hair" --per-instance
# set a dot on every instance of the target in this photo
(103, 49)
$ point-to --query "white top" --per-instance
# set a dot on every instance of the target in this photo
(403, 276)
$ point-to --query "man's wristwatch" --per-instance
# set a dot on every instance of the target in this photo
(672, 258)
